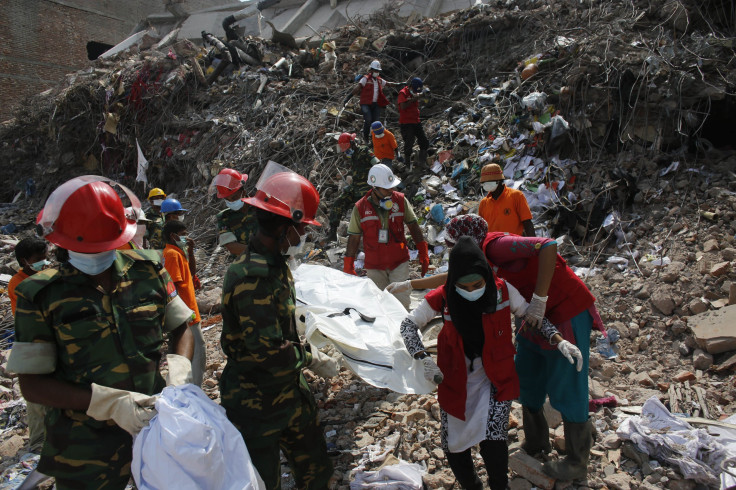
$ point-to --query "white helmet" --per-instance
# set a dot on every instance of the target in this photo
(382, 176)
(375, 65)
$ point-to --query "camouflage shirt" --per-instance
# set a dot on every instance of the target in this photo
(155, 231)
(236, 226)
(362, 160)
(68, 328)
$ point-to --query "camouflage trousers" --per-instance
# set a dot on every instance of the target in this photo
(345, 202)
(84, 453)
(285, 419)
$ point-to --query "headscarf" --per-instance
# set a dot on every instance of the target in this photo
(470, 225)
(467, 258)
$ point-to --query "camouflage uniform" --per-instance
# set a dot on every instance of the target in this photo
(362, 160)
(262, 386)
(67, 328)
(155, 231)
(236, 226)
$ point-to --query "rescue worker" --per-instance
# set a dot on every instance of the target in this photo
(503, 209)
(153, 230)
(534, 267)
(177, 265)
(385, 147)
(172, 209)
(362, 160)
(32, 256)
(379, 216)
(138, 240)
(237, 223)
(409, 122)
(263, 388)
(372, 100)
(475, 361)
(89, 334)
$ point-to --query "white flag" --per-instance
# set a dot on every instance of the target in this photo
(142, 166)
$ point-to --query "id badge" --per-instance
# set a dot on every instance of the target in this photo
(382, 236)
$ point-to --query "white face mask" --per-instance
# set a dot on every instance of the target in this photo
(471, 295)
(236, 205)
(157, 202)
(138, 237)
(490, 186)
(379, 135)
(296, 249)
(375, 74)
(92, 264)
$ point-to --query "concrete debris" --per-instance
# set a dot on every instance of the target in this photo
(619, 137)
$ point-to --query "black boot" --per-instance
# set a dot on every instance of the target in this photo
(578, 441)
(462, 467)
(536, 431)
(496, 457)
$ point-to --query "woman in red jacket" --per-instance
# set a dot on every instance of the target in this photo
(475, 361)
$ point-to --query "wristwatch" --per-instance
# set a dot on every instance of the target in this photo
(421, 355)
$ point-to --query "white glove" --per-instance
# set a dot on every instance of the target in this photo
(399, 287)
(432, 372)
(129, 409)
(570, 351)
(180, 370)
(535, 310)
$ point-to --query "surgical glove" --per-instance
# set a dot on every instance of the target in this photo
(432, 372)
(129, 409)
(570, 351)
(348, 265)
(399, 287)
(423, 249)
(180, 370)
(535, 311)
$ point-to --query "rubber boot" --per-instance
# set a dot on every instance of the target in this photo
(536, 431)
(422, 157)
(578, 441)
(462, 467)
(496, 457)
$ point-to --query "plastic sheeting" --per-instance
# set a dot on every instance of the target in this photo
(190, 444)
(401, 476)
(375, 350)
(661, 435)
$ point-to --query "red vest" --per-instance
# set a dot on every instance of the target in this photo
(567, 297)
(366, 94)
(498, 355)
(410, 115)
(383, 255)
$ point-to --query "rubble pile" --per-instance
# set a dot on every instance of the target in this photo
(612, 117)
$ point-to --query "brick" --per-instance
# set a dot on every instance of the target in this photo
(530, 469)
(683, 376)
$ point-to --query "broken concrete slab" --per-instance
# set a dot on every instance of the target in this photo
(530, 469)
(715, 330)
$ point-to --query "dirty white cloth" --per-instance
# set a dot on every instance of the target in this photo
(665, 437)
(400, 476)
(190, 444)
(462, 434)
(375, 350)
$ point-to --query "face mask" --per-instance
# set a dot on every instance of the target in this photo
(375, 74)
(296, 249)
(490, 186)
(379, 135)
(92, 264)
(470, 295)
(39, 266)
(349, 152)
(158, 202)
(182, 242)
(235, 205)
(176, 217)
(139, 233)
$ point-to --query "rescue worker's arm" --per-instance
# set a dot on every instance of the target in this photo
(190, 256)
(236, 248)
(416, 232)
(405, 104)
(51, 392)
(181, 341)
(348, 265)
(528, 228)
(356, 91)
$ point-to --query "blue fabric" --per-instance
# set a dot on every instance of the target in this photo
(371, 113)
(545, 373)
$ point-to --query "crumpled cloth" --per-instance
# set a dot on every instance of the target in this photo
(400, 476)
(190, 444)
(665, 437)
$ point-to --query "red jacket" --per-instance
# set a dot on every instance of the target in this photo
(567, 297)
(366, 93)
(498, 353)
(410, 115)
(383, 255)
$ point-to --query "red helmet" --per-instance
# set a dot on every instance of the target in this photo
(86, 215)
(287, 194)
(228, 182)
(343, 142)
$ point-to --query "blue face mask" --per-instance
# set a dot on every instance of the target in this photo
(349, 152)
(470, 295)
(39, 266)
(92, 264)
(235, 205)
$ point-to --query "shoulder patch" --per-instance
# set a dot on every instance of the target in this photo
(31, 286)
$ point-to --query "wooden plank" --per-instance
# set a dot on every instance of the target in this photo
(700, 392)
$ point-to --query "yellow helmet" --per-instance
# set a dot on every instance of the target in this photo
(156, 192)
